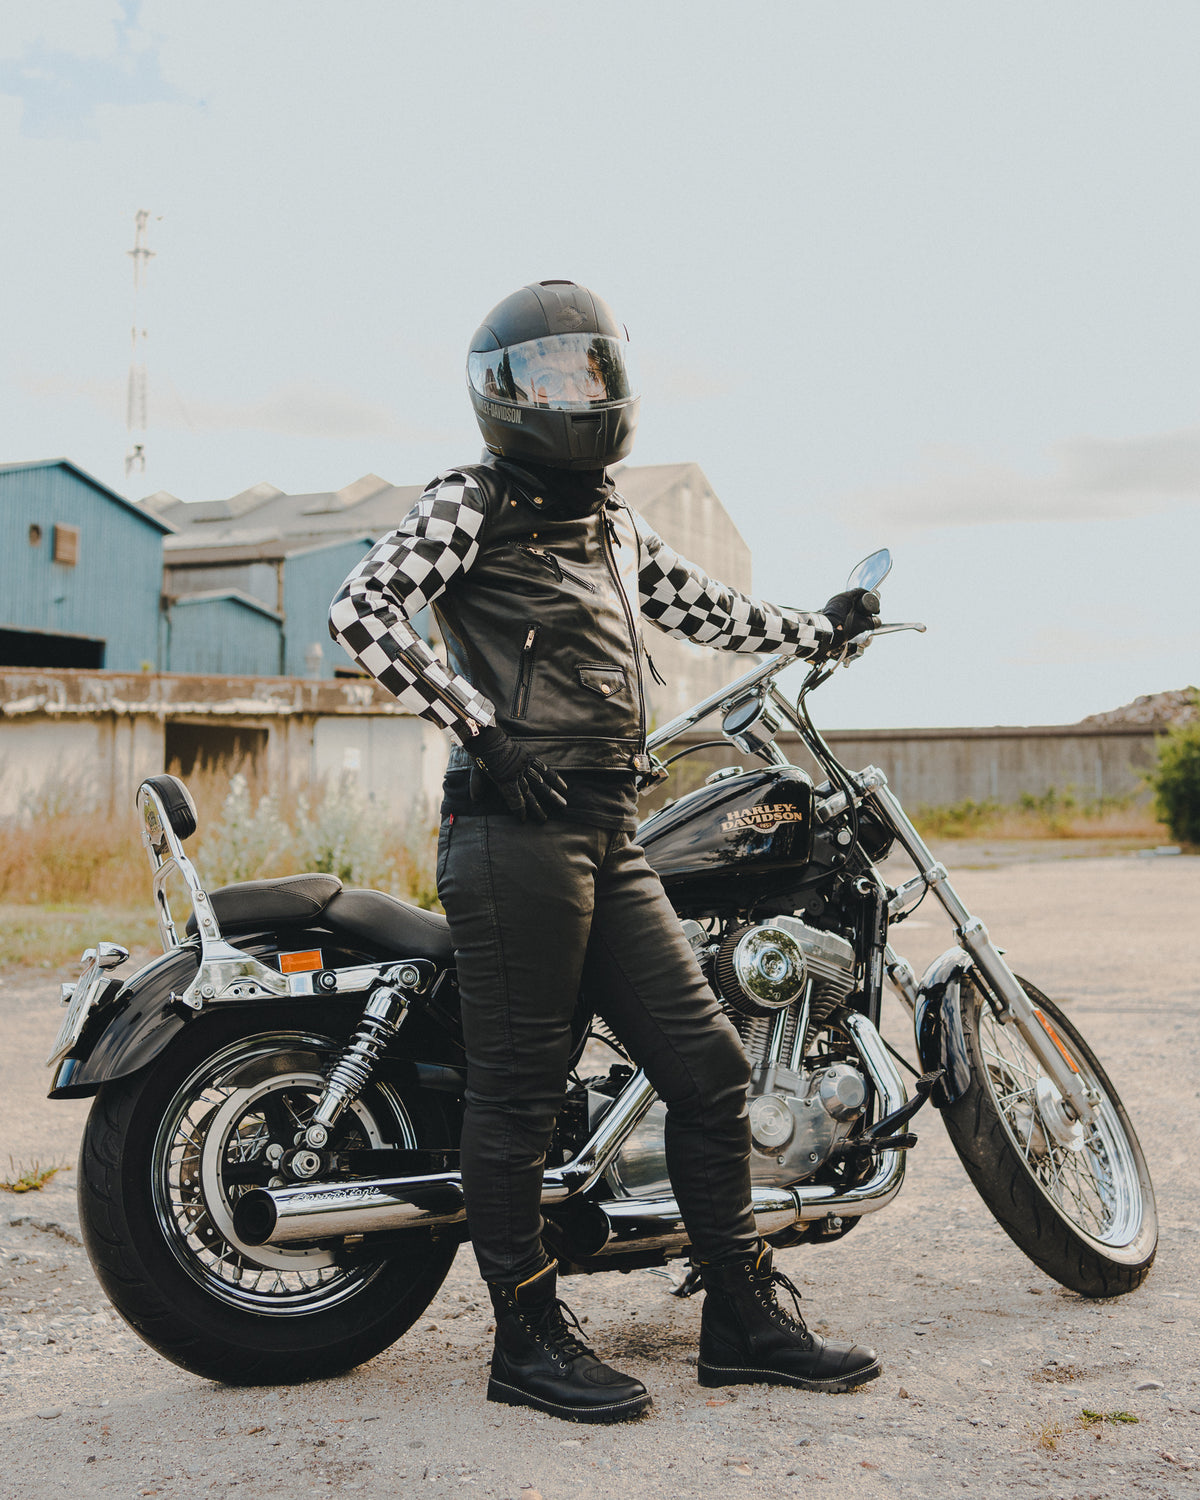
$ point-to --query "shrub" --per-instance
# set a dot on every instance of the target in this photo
(1176, 782)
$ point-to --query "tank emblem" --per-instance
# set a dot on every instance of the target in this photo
(763, 818)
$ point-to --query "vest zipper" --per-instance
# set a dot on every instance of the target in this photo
(520, 702)
(556, 567)
(608, 533)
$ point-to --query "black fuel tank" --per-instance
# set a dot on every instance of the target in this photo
(732, 843)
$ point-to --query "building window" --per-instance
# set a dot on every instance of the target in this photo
(35, 535)
(66, 545)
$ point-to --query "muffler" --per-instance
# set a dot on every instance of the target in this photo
(310, 1213)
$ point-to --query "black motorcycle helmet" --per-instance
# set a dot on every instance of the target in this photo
(550, 378)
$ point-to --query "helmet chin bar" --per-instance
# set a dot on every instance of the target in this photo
(592, 439)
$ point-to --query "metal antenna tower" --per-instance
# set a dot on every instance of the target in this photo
(135, 399)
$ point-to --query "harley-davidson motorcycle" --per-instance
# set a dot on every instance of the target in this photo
(269, 1185)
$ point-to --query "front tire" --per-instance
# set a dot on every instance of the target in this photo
(164, 1157)
(1077, 1199)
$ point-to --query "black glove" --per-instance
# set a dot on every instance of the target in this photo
(845, 612)
(529, 788)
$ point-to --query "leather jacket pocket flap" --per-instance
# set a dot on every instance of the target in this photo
(602, 678)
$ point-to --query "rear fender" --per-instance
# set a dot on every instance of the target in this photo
(136, 1022)
(937, 1021)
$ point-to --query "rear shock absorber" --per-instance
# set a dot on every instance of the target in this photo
(382, 1018)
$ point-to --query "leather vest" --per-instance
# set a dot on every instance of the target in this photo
(545, 624)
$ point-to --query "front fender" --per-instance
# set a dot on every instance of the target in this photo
(937, 1021)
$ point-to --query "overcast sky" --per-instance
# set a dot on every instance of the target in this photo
(916, 274)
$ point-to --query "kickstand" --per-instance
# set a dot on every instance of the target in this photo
(690, 1284)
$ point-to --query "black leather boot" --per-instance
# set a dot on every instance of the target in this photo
(539, 1362)
(746, 1337)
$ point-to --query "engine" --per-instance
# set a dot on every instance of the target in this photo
(778, 981)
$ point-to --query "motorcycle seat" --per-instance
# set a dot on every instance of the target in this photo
(250, 903)
(384, 922)
(398, 927)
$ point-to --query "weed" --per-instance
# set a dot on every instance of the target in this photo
(28, 1179)
(1089, 1418)
(1052, 814)
(1049, 1435)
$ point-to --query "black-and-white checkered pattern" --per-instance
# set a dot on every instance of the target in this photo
(681, 599)
(440, 538)
(402, 573)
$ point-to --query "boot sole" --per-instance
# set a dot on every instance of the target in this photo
(619, 1411)
(714, 1375)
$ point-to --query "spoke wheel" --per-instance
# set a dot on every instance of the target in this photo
(165, 1157)
(224, 1133)
(1075, 1195)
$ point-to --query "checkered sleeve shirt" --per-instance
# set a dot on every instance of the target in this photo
(681, 599)
(403, 572)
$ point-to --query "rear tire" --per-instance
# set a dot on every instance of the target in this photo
(166, 1153)
(1076, 1199)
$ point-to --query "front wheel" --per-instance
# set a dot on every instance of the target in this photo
(165, 1156)
(1075, 1197)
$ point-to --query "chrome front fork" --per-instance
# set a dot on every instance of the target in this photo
(1009, 1001)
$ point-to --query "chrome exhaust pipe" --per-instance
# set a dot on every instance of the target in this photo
(313, 1212)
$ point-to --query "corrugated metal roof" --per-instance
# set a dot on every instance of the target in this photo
(103, 489)
(264, 523)
(234, 596)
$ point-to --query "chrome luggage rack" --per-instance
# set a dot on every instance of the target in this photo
(225, 972)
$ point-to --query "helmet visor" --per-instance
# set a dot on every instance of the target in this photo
(562, 372)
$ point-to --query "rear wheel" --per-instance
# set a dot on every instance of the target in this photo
(1076, 1197)
(165, 1157)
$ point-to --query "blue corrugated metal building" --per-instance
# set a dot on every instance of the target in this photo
(80, 571)
(224, 633)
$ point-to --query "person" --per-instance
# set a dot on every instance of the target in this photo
(540, 576)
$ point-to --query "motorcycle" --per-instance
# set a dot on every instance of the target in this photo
(268, 1184)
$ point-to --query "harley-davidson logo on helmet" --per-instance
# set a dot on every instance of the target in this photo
(764, 818)
(501, 413)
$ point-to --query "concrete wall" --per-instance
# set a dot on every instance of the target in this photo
(95, 735)
(941, 767)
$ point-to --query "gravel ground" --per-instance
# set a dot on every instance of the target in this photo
(988, 1366)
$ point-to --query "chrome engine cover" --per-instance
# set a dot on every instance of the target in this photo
(798, 1115)
(796, 1126)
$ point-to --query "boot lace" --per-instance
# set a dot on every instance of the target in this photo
(766, 1294)
(554, 1332)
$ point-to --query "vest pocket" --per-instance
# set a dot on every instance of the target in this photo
(602, 678)
(520, 698)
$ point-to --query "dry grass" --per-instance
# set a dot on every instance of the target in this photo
(68, 877)
(1052, 816)
(28, 1179)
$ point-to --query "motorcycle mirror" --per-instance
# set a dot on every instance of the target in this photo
(871, 572)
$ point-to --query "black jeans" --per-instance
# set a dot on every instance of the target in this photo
(533, 909)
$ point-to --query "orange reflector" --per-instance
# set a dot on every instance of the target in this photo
(300, 963)
(1056, 1039)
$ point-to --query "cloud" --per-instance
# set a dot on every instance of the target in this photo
(1091, 479)
(65, 62)
(302, 409)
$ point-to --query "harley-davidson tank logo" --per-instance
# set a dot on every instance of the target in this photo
(764, 818)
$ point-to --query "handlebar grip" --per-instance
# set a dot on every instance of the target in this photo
(870, 602)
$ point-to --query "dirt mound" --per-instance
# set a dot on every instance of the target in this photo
(1182, 706)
